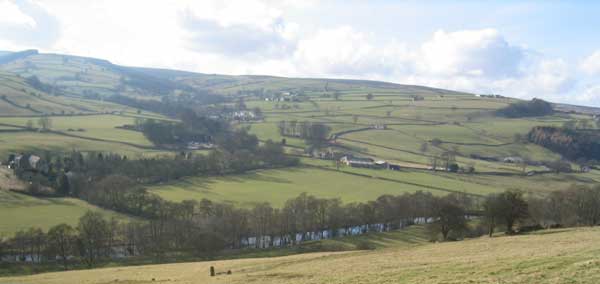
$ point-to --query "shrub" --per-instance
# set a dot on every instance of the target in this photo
(365, 245)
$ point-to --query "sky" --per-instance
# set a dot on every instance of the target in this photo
(543, 49)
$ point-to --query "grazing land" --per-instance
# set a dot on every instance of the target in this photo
(415, 128)
(405, 125)
(90, 126)
(277, 186)
(544, 257)
(21, 212)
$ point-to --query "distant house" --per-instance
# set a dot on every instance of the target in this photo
(357, 162)
(394, 167)
(417, 98)
(513, 160)
(199, 146)
(379, 126)
(484, 158)
(492, 96)
(381, 164)
(243, 115)
(29, 163)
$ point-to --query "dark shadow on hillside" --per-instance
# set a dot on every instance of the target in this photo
(205, 182)
(59, 201)
(568, 177)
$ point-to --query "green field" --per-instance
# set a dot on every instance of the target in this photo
(39, 142)
(277, 186)
(93, 126)
(354, 184)
(544, 257)
(20, 211)
(21, 99)
(462, 123)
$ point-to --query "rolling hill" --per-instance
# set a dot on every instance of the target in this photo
(411, 126)
(90, 77)
(85, 77)
(20, 98)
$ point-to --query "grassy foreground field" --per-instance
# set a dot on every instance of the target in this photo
(544, 257)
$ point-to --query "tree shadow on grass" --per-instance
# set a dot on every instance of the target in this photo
(261, 176)
(548, 232)
(573, 178)
(254, 176)
(60, 201)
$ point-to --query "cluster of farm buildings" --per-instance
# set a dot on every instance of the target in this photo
(358, 162)
(28, 162)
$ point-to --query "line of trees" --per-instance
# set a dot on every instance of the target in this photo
(572, 144)
(535, 107)
(35, 82)
(76, 173)
(205, 228)
(578, 205)
(192, 128)
(315, 133)
(167, 105)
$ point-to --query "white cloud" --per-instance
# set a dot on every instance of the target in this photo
(553, 76)
(25, 23)
(476, 53)
(344, 51)
(250, 29)
(469, 60)
(235, 40)
(483, 61)
(11, 15)
(231, 13)
(591, 64)
(545, 78)
(150, 37)
(590, 95)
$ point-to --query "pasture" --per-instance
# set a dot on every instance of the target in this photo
(348, 184)
(416, 132)
(88, 133)
(277, 186)
(20, 212)
(461, 124)
(40, 142)
(93, 126)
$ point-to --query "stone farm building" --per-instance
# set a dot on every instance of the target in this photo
(359, 162)
(29, 163)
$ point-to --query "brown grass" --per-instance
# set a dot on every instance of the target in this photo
(559, 256)
(8, 180)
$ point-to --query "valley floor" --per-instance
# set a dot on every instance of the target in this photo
(553, 256)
